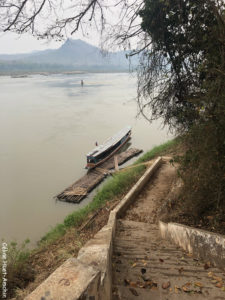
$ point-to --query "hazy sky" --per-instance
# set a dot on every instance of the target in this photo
(13, 43)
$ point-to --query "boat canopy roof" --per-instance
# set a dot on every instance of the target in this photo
(110, 142)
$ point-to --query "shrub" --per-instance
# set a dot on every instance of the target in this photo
(19, 272)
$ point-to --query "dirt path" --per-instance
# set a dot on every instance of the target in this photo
(147, 267)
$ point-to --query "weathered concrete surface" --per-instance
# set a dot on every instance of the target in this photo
(97, 252)
(129, 198)
(93, 263)
(89, 275)
(202, 244)
(147, 267)
(71, 280)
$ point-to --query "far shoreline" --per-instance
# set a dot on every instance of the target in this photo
(49, 73)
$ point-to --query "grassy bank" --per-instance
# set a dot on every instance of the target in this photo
(113, 189)
(117, 185)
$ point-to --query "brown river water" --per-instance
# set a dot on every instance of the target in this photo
(47, 125)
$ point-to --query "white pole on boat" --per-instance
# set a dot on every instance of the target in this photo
(116, 162)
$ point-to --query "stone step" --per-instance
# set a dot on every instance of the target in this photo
(124, 293)
(143, 264)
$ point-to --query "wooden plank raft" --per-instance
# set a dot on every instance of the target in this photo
(79, 190)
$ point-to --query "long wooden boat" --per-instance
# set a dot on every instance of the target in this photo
(106, 150)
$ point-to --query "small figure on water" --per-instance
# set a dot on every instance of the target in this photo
(82, 82)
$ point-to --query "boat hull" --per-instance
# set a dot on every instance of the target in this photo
(92, 165)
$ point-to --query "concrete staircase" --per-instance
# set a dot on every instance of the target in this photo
(144, 266)
(147, 267)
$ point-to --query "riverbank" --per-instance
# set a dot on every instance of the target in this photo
(42, 159)
(67, 238)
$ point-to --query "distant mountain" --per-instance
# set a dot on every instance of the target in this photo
(72, 55)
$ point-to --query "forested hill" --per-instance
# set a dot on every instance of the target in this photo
(72, 55)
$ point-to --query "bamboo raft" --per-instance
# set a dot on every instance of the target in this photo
(79, 190)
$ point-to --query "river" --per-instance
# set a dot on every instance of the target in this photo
(48, 124)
